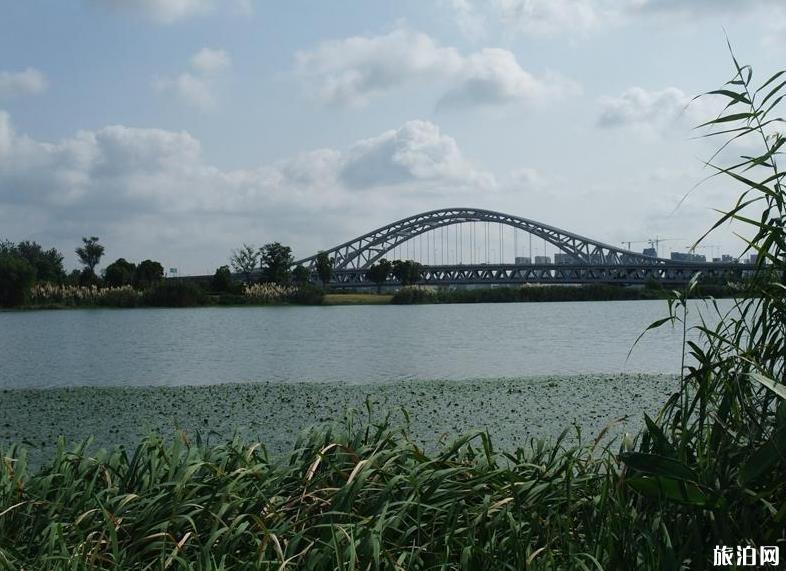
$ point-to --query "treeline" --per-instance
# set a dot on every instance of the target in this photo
(27, 269)
(589, 292)
(32, 276)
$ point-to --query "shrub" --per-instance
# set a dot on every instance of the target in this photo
(148, 273)
(307, 295)
(222, 282)
(172, 293)
(16, 279)
(119, 273)
(407, 295)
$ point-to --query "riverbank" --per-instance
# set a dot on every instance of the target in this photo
(512, 410)
(191, 296)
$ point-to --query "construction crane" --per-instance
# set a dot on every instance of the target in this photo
(629, 242)
(713, 248)
(655, 242)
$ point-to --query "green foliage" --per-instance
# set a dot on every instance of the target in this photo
(90, 253)
(407, 272)
(48, 264)
(719, 445)
(222, 282)
(276, 260)
(87, 278)
(380, 272)
(244, 261)
(148, 274)
(354, 495)
(175, 293)
(16, 278)
(324, 264)
(589, 292)
(300, 276)
(119, 273)
(306, 295)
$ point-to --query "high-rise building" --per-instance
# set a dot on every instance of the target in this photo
(523, 260)
(688, 257)
(563, 259)
(542, 260)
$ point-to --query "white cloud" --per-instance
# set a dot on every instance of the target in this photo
(415, 152)
(197, 87)
(570, 17)
(654, 111)
(353, 70)
(493, 77)
(541, 17)
(141, 188)
(17, 83)
(470, 21)
(209, 60)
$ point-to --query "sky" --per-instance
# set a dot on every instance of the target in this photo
(180, 129)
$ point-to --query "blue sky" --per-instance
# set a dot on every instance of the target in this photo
(179, 129)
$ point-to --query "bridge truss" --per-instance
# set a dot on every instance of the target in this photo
(367, 249)
(589, 261)
(510, 274)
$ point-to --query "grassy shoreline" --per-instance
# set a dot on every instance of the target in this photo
(416, 295)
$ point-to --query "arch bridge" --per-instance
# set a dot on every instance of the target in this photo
(584, 260)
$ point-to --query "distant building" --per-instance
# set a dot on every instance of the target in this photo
(523, 260)
(564, 259)
(688, 257)
(725, 259)
(542, 260)
(752, 259)
(652, 252)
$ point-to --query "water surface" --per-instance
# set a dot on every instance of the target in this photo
(354, 344)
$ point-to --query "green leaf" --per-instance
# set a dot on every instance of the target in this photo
(763, 459)
(662, 444)
(658, 465)
(679, 491)
(777, 388)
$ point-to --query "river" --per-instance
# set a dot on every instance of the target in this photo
(348, 344)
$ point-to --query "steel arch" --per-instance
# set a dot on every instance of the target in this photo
(365, 250)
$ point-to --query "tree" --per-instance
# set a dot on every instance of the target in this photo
(222, 281)
(48, 264)
(324, 265)
(301, 276)
(90, 253)
(379, 272)
(119, 273)
(276, 263)
(148, 273)
(407, 272)
(244, 260)
(16, 279)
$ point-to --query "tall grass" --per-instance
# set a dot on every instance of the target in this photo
(707, 471)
